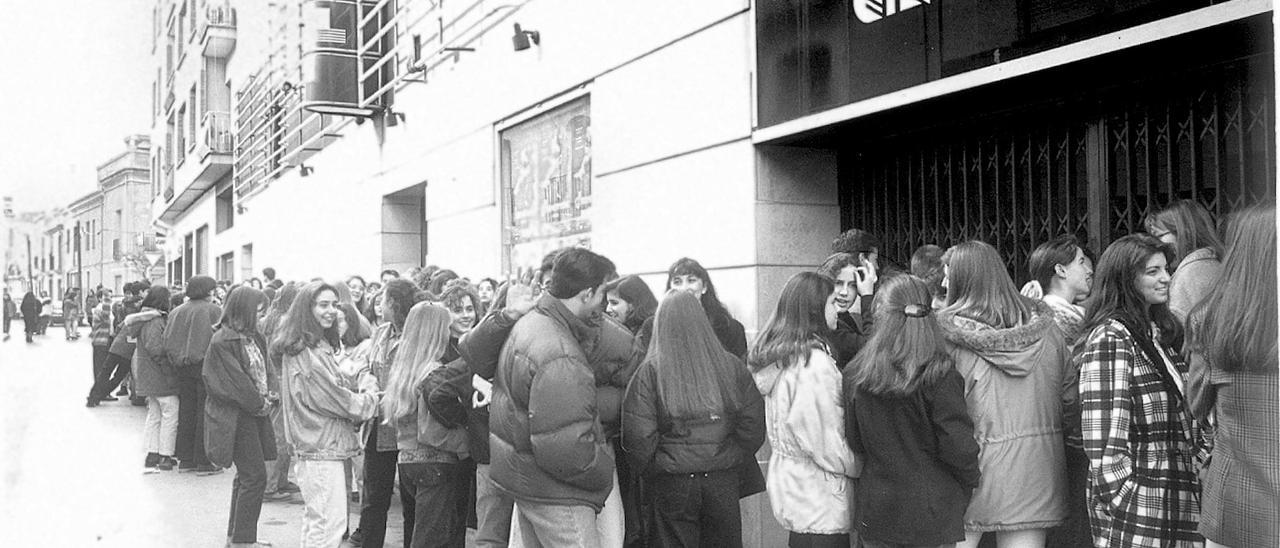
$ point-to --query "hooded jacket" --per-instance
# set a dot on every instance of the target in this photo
(547, 444)
(153, 375)
(1013, 380)
(811, 470)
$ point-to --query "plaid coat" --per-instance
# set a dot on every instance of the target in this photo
(1242, 481)
(1138, 435)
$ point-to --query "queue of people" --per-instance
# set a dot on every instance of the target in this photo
(1121, 399)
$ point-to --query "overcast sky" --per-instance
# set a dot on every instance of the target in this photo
(76, 82)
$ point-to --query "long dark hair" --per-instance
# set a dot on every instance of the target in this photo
(1191, 224)
(979, 287)
(1235, 324)
(300, 330)
(906, 349)
(403, 294)
(798, 323)
(716, 311)
(358, 328)
(157, 297)
(691, 366)
(1115, 295)
(279, 307)
(240, 312)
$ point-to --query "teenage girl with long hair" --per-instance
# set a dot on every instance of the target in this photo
(433, 460)
(1138, 432)
(1013, 359)
(1231, 338)
(322, 406)
(906, 417)
(688, 275)
(811, 472)
(1186, 227)
(691, 415)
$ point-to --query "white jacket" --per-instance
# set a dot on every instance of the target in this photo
(811, 470)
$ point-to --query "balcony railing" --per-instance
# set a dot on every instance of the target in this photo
(220, 15)
(218, 30)
(218, 136)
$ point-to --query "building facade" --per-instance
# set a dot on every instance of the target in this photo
(117, 242)
(364, 135)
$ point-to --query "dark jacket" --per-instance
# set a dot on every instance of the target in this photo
(547, 444)
(657, 442)
(188, 334)
(121, 310)
(233, 397)
(732, 336)
(852, 332)
(30, 307)
(920, 462)
(481, 349)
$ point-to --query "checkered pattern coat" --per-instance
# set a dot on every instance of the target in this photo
(1241, 505)
(1139, 436)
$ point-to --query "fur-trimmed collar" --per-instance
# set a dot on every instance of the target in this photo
(981, 337)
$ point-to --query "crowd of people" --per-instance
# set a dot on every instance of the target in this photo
(1121, 399)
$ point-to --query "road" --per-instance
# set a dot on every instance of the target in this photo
(72, 476)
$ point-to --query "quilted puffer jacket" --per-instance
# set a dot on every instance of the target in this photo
(546, 440)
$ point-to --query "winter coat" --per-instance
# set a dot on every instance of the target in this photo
(732, 336)
(153, 374)
(233, 397)
(10, 309)
(188, 334)
(1138, 435)
(481, 349)
(811, 471)
(547, 444)
(1013, 390)
(30, 307)
(1240, 504)
(1191, 281)
(852, 332)
(920, 462)
(322, 405)
(657, 442)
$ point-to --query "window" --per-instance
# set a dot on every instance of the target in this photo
(202, 250)
(226, 266)
(181, 148)
(119, 281)
(246, 262)
(226, 213)
(191, 126)
(188, 258)
(182, 37)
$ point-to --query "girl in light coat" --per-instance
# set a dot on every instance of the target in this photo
(811, 470)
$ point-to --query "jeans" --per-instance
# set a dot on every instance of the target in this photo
(278, 470)
(250, 482)
(379, 480)
(555, 526)
(695, 509)
(100, 354)
(434, 496)
(324, 500)
(72, 327)
(113, 373)
(493, 511)
(160, 429)
(191, 418)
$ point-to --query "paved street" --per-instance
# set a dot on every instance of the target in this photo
(72, 476)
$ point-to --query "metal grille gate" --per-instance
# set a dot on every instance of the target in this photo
(1093, 167)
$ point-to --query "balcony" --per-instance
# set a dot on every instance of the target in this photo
(212, 161)
(218, 30)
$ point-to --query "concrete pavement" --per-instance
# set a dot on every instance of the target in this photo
(72, 476)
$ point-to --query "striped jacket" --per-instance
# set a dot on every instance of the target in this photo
(1138, 435)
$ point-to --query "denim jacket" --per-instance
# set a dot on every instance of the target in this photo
(322, 405)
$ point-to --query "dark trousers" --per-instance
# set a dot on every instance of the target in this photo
(113, 373)
(191, 394)
(633, 508)
(694, 509)
(7, 320)
(379, 480)
(434, 496)
(250, 482)
(100, 354)
(813, 540)
(1075, 531)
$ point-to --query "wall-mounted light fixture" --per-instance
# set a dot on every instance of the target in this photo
(392, 118)
(304, 170)
(522, 38)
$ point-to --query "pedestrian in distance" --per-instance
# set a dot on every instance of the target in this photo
(240, 396)
(155, 378)
(10, 311)
(187, 337)
(434, 459)
(322, 406)
(548, 449)
(380, 449)
(30, 315)
(691, 417)
(688, 275)
(1187, 228)
(1231, 338)
(1013, 360)
(1138, 431)
(811, 470)
(906, 419)
(46, 313)
(100, 335)
(71, 315)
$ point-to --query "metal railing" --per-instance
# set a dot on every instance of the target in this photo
(218, 137)
(220, 14)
